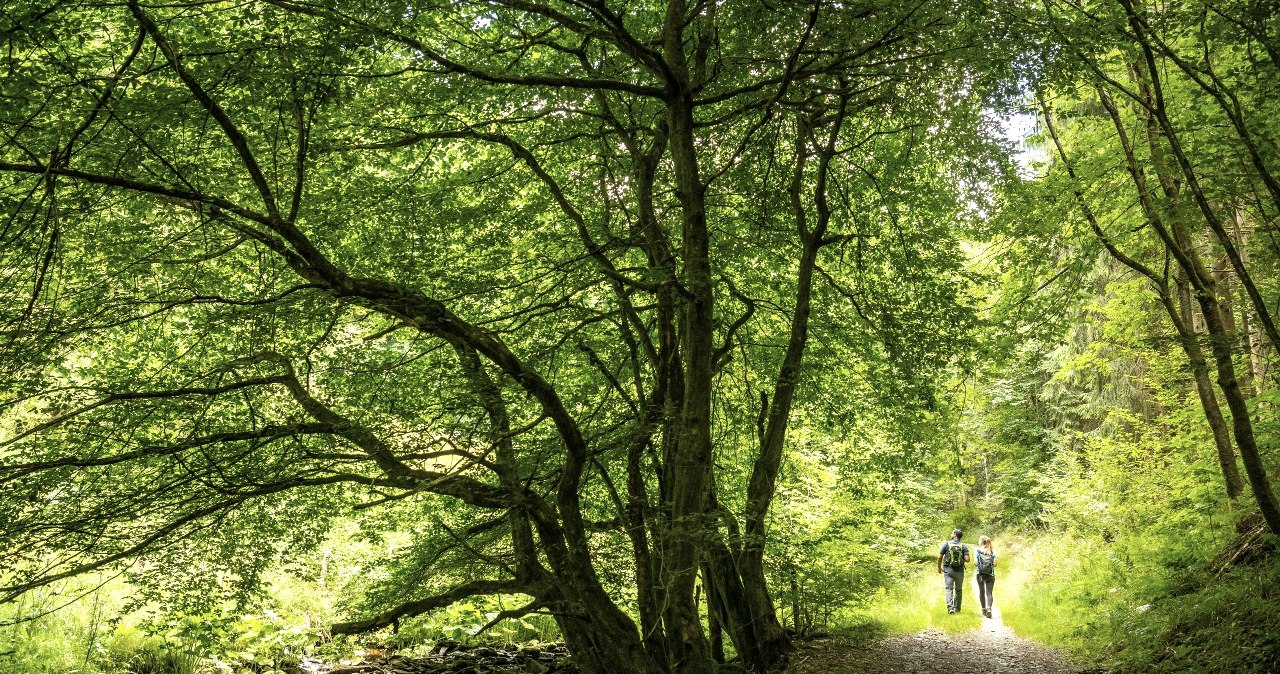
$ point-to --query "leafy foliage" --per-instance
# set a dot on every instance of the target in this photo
(647, 320)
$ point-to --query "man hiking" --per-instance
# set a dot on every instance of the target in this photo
(951, 561)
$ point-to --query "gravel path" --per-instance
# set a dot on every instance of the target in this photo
(993, 649)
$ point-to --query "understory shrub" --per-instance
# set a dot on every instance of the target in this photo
(1158, 613)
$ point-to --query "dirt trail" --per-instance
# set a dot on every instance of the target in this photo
(993, 649)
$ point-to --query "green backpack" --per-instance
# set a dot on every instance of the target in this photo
(955, 555)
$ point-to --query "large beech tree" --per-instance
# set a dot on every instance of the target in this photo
(270, 263)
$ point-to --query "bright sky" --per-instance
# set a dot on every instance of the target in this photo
(1017, 127)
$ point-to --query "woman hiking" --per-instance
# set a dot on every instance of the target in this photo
(986, 573)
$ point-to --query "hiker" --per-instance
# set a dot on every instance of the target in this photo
(985, 557)
(951, 561)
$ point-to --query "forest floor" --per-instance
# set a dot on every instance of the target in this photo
(992, 649)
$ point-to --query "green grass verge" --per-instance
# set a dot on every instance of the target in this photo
(916, 604)
(1128, 613)
(1027, 567)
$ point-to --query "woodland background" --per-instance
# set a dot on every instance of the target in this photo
(675, 331)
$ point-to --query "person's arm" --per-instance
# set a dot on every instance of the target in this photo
(965, 549)
(941, 552)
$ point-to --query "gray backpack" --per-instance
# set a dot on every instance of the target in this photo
(986, 563)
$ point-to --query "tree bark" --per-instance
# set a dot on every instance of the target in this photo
(715, 632)
(1179, 243)
(689, 472)
(1181, 316)
(1183, 321)
(1241, 422)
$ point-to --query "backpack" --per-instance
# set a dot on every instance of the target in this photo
(955, 555)
(986, 563)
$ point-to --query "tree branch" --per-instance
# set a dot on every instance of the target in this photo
(420, 606)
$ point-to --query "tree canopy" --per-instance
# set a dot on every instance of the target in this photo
(543, 275)
(552, 284)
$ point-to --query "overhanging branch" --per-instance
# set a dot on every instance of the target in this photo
(420, 606)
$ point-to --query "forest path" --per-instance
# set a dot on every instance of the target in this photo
(992, 649)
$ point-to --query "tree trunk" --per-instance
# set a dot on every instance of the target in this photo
(602, 637)
(1179, 243)
(1226, 297)
(1241, 422)
(666, 402)
(1182, 316)
(688, 473)
(607, 642)
(1258, 363)
(1253, 379)
(1204, 386)
(714, 630)
(1148, 74)
(795, 603)
(771, 640)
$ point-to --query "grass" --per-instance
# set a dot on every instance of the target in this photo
(1138, 613)
(916, 604)
(36, 639)
(1225, 624)
(1026, 605)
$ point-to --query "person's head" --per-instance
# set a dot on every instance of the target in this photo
(956, 534)
(985, 542)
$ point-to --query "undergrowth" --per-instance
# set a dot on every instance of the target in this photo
(1140, 605)
(914, 604)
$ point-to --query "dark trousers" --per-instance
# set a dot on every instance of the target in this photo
(985, 585)
(953, 581)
